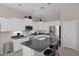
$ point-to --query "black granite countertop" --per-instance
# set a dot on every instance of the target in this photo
(15, 38)
(38, 45)
(19, 37)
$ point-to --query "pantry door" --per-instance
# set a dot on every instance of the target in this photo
(70, 34)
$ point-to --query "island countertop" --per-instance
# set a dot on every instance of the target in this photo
(39, 45)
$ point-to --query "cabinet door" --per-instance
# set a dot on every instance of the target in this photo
(70, 34)
(45, 26)
(35, 26)
(40, 26)
(3, 24)
(17, 43)
(16, 24)
(12, 24)
(20, 25)
(9, 25)
(27, 51)
(28, 22)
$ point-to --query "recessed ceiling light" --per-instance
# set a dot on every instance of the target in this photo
(49, 3)
(42, 8)
(19, 4)
(32, 10)
(54, 10)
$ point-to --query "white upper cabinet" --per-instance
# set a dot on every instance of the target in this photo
(16, 24)
(54, 23)
(42, 26)
(28, 22)
(35, 26)
(13, 24)
(2, 23)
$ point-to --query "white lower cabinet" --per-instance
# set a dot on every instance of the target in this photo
(30, 52)
(17, 43)
(27, 51)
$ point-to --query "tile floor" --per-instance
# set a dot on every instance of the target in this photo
(62, 52)
(68, 52)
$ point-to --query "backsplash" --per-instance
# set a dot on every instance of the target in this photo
(15, 33)
(42, 31)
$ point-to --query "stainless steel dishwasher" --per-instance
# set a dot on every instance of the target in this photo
(7, 47)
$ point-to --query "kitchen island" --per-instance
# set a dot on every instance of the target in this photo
(35, 47)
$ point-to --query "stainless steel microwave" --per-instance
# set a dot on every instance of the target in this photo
(28, 27)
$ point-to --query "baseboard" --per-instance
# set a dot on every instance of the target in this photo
(70, 48)
(18, 50)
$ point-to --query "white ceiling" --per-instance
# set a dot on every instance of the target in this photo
(34, 8)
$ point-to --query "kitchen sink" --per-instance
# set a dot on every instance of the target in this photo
(41, 38)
